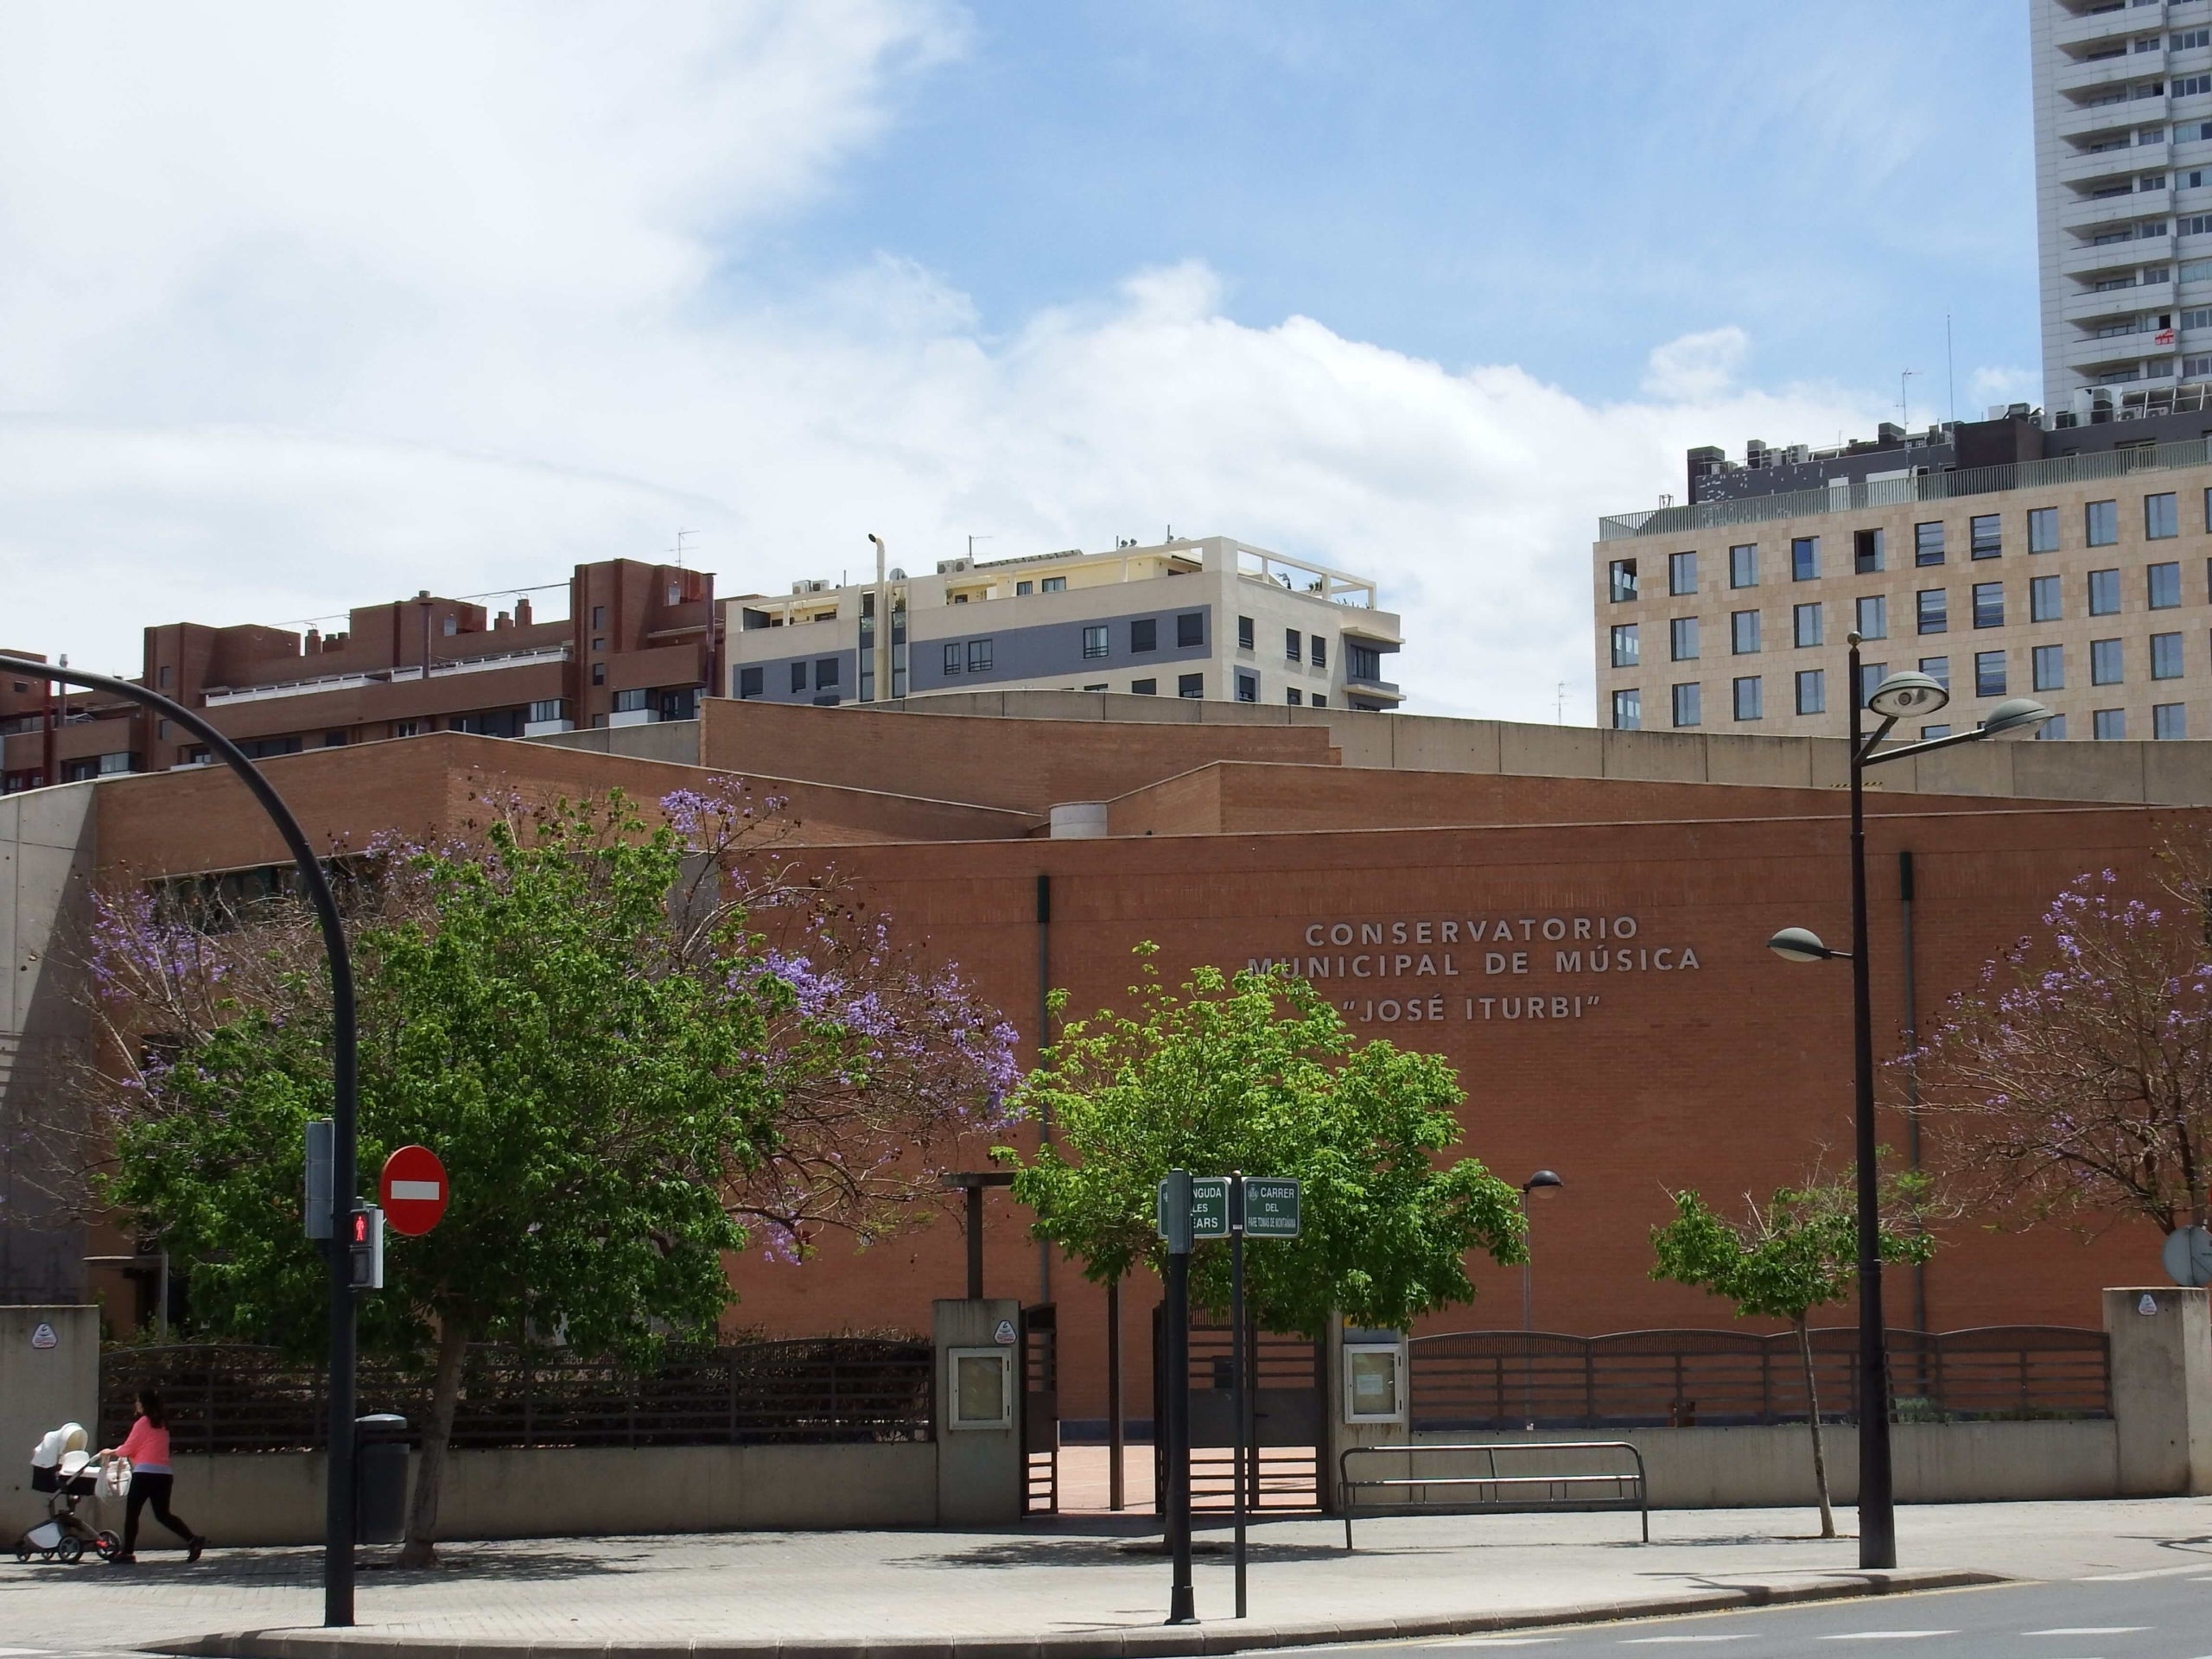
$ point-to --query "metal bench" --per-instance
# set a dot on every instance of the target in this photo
(1491, 1490)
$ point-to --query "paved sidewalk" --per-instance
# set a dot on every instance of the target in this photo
(1079, 1589)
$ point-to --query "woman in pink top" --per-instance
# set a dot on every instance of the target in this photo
(147, 1446)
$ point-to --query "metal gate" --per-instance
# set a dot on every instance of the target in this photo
(1040, 1409)
(1285, 1464)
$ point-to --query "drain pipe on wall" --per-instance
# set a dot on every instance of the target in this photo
(1043, 1037)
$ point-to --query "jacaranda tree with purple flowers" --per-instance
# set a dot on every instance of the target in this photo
(2073, 1081)
(636, 1047)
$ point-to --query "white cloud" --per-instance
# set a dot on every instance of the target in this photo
(2005, 384)
(388, 300)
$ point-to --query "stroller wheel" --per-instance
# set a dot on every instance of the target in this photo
(108, 1545)
(70, 1548)
(22, 1552)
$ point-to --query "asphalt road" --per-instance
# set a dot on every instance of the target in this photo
(2159, 1615)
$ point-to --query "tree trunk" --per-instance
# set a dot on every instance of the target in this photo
(1820, 1452)
(421, 1548)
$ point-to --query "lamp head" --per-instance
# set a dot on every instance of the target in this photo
(2014, 716)
(1799, 944)
(1541, 1177)
(1906, 693)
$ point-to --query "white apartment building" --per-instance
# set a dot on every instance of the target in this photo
(2123, 135)
(1204, 617)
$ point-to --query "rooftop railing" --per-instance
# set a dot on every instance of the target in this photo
(218, 696)
(1896, 491)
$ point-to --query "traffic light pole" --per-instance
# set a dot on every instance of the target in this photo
(1182, 1606)
(338, 1524)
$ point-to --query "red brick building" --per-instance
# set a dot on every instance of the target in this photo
(1589, 951)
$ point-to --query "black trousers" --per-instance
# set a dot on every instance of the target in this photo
(152, 1489)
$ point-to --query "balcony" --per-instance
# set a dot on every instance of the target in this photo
(2091, 213)
(2110, 118)
(2116, 256)
(2087, 76)
(224, 696)
(2091, 305)
(2121, 23)
(2081, 166)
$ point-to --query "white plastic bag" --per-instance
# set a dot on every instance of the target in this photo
(115, 1479)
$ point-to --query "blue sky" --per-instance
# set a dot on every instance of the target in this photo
(1555, 186)
(330, 305)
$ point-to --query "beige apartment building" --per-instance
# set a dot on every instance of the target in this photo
(2083, 580)
(1207, 617)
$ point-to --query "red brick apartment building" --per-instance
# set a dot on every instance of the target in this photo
(1577, 919)
(638, 645)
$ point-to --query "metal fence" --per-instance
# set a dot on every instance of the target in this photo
(230, 1398)
(1504, 1379)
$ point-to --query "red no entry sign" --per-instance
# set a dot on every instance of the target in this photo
(413, 1191)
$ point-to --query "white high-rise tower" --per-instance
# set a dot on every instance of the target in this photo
(2123, 119)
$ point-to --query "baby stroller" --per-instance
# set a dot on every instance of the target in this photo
(62, 1469)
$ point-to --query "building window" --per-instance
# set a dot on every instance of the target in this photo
(2044, 603)
(1190, 630)
(1932, 610)
(1191, 685)
(1144, 687)
(406, 728)
(1989, 604)
(1681, 572)
(1320, 700)
(1928, 544)
(799, 677)
(1094, 640)
(2042, 530)
(2053, 728)
(1626, 649)
(2169, 721)
(1928, 732)
(1985, 536)
(1872, 617)
(1363, 663)
(1812, 691)
(1743, 632)
(2161, 518)
(1682, 639)
(1866, 553)
(825, 673)
(2109, 725)
(2163, 583)
(1687, 711)
(1022, 590)
(1621, 576)
(1292, 642)
(598, 673)
(2050, 668)
(1744, 565)
(1244, 633)
(2166, 656)
(1144, 634)
(599, 645)
(952, 655)
(1870, 676)
(749, 682)
(1989, 673)
(165, 678)
(629, 702)
(1937, 669)
(1804, 558)
(2104, 593)
(979, 655)
(1805, 623)
(1053, 585)
(1248, 687)
(1747, 697)
(2101, 522)
(599, 616)
(2105, 667)
(1628, 711)
(1317, 651)
(1294, 697)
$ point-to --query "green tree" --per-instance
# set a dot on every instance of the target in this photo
(1797, 1252)
(1258, 1072)
(571, 1010)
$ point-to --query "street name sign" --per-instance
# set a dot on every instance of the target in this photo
(1209, 1207)
(1270, 1207)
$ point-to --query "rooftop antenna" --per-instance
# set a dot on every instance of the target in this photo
(972, 540)
(1950, 378)
(680, 535)
(1562, 702)
(1904, 417)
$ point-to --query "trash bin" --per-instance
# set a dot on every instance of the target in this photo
(379, 1478)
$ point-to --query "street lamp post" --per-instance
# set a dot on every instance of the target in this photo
(1541, 1177)
(1897, 696)
(337, 1479)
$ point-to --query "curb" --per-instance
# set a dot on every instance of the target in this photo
(1147, 1641)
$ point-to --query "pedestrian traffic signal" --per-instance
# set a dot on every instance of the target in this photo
(364, 1244)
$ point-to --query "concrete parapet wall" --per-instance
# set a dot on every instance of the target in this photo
(1755, 1466)
(277, 1497)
